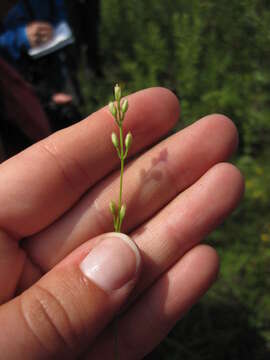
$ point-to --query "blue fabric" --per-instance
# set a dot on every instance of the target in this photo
(13, 41)
(13, 38)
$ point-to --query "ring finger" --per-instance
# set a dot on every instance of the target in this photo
(152, 181)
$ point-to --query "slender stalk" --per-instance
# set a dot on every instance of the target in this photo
(118, 110)
(121, 176)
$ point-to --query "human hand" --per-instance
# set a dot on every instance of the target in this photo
(39, 32)
(61, 98)
(54, 210)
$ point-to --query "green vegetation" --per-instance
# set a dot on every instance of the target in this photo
(215, 55)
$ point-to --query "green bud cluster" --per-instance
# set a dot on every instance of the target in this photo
(117, 92)
(115, 140)
(118, 108)
(112, 109)
(124, 107)
(128, 141)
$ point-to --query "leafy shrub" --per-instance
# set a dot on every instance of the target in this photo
(215, 56)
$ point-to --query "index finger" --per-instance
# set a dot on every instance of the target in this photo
(38, 185)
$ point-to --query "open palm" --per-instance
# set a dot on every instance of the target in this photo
(54, 209)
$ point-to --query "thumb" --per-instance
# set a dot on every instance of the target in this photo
(66, 309)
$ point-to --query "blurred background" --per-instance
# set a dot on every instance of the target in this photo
(215, 55)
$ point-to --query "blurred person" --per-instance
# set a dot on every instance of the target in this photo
(27, 25)
(5, 6)
(23, 121)
(84, 17)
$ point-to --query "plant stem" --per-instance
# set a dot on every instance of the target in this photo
(118, 110)
(121, 175)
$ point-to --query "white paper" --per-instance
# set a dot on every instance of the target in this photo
(62, 37)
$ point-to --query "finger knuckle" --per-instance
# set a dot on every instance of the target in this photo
(48, 321)
(73, 174)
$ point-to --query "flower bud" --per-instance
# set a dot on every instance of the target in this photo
(124, 107)
(122, 212)
(128, 140)
(112, 207)
(117, 92)
(114, 140)
(112, 109)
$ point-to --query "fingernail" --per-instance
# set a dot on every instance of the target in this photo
(112, 263)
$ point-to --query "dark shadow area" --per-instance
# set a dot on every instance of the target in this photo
(214, 331)
(42, 47)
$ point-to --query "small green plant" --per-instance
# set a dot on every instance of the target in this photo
(118, 109)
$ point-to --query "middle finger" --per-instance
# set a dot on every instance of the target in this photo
(151, 182)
